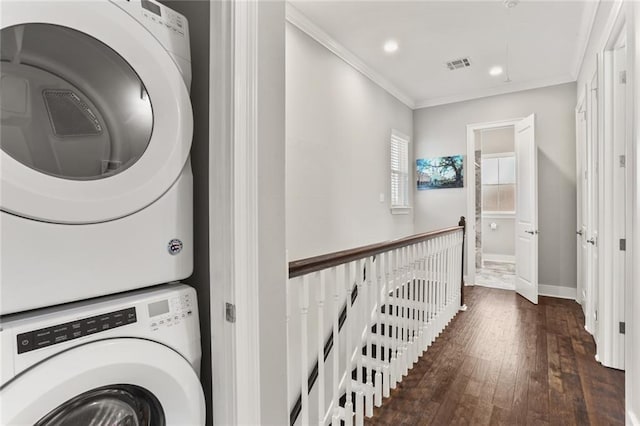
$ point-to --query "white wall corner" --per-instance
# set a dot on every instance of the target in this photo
(558, 291)
(304, 24)
(584, 35)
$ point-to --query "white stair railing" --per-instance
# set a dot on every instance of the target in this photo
(358, 321)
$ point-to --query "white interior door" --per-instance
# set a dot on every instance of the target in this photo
(591, 313)
(582, 170)
(527, 209)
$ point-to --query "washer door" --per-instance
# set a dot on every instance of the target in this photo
(95, 116)
(109, 382)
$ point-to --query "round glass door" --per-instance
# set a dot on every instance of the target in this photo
(70, 106)
(119, 405)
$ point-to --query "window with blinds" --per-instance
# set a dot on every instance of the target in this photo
(399, 170)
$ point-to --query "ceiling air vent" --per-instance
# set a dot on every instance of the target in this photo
(458, 63)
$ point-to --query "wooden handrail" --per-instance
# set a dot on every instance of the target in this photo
(318, 263)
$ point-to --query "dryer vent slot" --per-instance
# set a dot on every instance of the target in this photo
(69, 115)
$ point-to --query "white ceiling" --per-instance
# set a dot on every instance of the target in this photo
(547, 40)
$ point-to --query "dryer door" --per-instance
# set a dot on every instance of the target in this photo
(109, 382)
(95, 116)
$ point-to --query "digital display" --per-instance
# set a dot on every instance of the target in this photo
(151, 7)
(158, 308)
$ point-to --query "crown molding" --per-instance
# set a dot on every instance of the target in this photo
(497, 90)
(586, 28)
(296, 18)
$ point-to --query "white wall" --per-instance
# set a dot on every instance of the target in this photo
(633, 342)
(441, 130)
(338, 125)
(605, 9)
(602, 26)
(271, 253)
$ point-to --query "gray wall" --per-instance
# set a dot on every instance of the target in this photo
(497, 141)
(338, 129)
(271, 205)
(441, 130)
(197, 13)
(499, 241)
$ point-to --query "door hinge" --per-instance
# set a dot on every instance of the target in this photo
(230, 312)
(622, 327)
(623, 77)
(596, 315)
(623, 244)
(623, 161)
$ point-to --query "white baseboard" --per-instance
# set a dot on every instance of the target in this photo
(557, 291)
(499, 258)
(632, 419)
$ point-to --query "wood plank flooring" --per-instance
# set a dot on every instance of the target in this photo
(506, 361)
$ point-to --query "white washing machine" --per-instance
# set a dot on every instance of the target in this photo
(96, 127)
(116, 360)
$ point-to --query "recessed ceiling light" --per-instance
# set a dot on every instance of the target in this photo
(495, 71)
(390, 46)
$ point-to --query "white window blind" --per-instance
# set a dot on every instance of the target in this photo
(399, 170)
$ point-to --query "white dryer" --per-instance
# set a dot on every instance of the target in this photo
(96, 127)
(116, 360)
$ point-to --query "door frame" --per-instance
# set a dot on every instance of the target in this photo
(470, 257)
(611, 348)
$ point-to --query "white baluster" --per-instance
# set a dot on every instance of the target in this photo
(405, 317)
(362, 306)
(304, 353)
(432, 290)
(379, 347)
(424, 299)
(386, 371)
(335, 419)
(392, 316)
(416, 303)
(368, 308)
(289, 284)
(401, 309)
(320, 301)
(348, 283)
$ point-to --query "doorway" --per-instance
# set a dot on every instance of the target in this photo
(502, 206)
(495, 189)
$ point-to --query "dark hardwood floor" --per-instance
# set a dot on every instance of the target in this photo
(507, 361)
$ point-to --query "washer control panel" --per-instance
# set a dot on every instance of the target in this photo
(167, 313)
(173, 21)
(60, 333)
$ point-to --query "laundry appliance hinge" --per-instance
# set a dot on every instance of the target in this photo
(230, 312)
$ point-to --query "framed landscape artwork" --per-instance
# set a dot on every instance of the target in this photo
(440, 172)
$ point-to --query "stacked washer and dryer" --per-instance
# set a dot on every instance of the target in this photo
(96, 214)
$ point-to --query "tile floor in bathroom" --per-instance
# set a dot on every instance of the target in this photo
(496, 274)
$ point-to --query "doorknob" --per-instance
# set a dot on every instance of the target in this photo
(579, 232)
(531, 232)
(592, 241)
